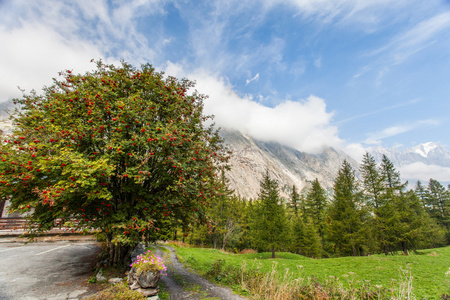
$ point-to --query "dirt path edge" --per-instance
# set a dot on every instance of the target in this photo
(182, 284)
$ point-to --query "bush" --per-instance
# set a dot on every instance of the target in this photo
(117, 292)
(249, 251)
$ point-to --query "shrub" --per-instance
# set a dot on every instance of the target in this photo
(117, 292)
(249, 251)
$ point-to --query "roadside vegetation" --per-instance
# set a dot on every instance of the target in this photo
(424, 275)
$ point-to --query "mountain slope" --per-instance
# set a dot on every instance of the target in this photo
(427, 153)
(288, 166)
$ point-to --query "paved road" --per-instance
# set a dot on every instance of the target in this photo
(49, 271)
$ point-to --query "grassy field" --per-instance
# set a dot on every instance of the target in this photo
(427, 268)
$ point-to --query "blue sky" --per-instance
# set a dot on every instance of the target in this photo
(347, 73)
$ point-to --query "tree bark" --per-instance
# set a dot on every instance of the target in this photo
(119, 254)
(405, 250)
(273, 252)
(2, 205)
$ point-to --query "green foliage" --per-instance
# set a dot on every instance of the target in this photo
(120, 149)
(373, 182)
(346, 219)
(118, 291)
(316, 203)
(269, 225)
(312, 243)
(295, 200)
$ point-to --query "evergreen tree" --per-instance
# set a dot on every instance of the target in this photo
(221, 225)
(422, 193)
(438, 204)
(414, 227)
(297, 233)
(373, 181)
(311, 244)
(345, 228)
(391, 177)
(316, 202)
(295, 200)
(269, 226)
(389, 220)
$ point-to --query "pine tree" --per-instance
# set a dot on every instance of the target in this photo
(439, 203)
(414, 227)
(311, 242)
(391, 177)
(295, 200)
(422, 193)
(373, 181)
(297, 232)
(316, 202)
(390, 227)
(270, 222)
(346, 229)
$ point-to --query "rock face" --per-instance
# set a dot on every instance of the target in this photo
(145, 282)
(288, 166)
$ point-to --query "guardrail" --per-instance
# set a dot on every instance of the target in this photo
(10, 226)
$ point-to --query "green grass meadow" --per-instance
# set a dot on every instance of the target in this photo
(428, 267)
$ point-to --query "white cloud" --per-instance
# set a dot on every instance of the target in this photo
(423, 172)
(303, 125)
(377, 137)
(39, 39)
(255, 78)
(417, 38)
(369, 12)
(382, 110)
(35, 54)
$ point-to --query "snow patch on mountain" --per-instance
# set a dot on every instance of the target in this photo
(421, 162)
(424, 149)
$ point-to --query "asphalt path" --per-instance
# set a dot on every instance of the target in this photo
(58, 270)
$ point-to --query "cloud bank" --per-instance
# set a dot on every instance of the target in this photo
(423, 172)
(304, 125)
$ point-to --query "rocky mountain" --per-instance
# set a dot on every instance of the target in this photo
(288, 166)
(427, 153)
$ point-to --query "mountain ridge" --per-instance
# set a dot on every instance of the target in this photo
(288, 166)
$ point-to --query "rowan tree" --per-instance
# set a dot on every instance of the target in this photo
(123, 150)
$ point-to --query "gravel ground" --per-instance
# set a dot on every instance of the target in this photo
(183, 284)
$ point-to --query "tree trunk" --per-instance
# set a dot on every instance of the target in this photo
(2, 205)
(273, 252)
(175, 235)
(119, 254)
(405, 250)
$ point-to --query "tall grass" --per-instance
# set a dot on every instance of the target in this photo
(291, 285)
(296, 277)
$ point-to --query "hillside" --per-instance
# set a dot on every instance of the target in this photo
(428, 153)
(288, 166)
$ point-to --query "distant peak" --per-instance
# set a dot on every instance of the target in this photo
(425, 148)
